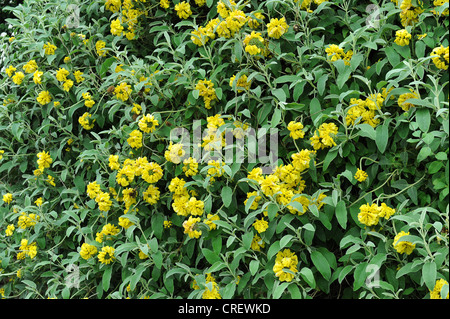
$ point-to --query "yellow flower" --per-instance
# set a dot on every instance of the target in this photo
(86, 122)
(51, 180)
(67, 85)
(37, 77)
(195, 206)
(210, 221)
(360, 175)
(148, 123)
(403, 246)
(87, 251)
(261, 225)
(402, 37)
(78, 76)
(123, 91)
(436, 292)
(440, 57)
(44, 97)
(190, 166)
(135, 139)
(99, 45)
(257, 243)
(285, 260)
(125, 222)
(183, 10)
(277, 27)
(30, 67)
(49, 49)
(165, 4)
(10, 70)
(152, 172)
(18, 77)
(241, 84)
(295, 129)
(44, 160)
(103, 201)
(93, 189)
(9, 230)
(106, 256)
(270, 185)
(369, 214)
(38, 202)
(190, 227)
(167, 224)
(61, 74)
(7, 198)
(405, 96)
(114, 162)
(113, 5)
(324, 136)
(151, 195)
(386, 211)
(116, 27)
(206, 90)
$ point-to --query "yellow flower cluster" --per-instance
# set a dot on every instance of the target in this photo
(296, 130)
(231, 21)
(369, 214)
(27, 220)
(241, 84)
(88, 101)
(323, 137)
(129, 15)
(436, 292)
(405, 96)
(365, 109)
(86, 122)
(410, 13)
(361, 175)
(285, 260)
(437, 4)
(44, 160)
(26, 249)
(402, 37)
(403, 247)
(209, 293)
(206, 90)
(440, 57)
(7, 198)
(337, 53)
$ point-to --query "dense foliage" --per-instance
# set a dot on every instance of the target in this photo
(100, 200)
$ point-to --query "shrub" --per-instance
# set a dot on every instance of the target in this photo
(221, 149)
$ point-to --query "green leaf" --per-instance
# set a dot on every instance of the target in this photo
(359, 275)
(105, 66)
(321, 83)
(279, 289)
(315, 109)
(382, 136)
(423, 119)
(308, 276)
(227, 194)
(254, 266)
(210, 256)
(424, 153)
(331, 155)
(367, 131)
(106, 279)
(321, 264)
(295, 292)
(392, 56)
(341, 214)
(429, 274)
